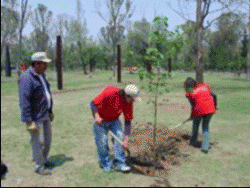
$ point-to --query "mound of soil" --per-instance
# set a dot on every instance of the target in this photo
(172, 149)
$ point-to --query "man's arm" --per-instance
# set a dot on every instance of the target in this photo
(127, 133)
(95, 112)
(25, 92)
(127, 127)
(215, 99)
(93, 108)
(191, 102)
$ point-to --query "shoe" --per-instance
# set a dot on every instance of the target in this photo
(123, 168)
(204, 151)
(49, 164)
(43, 171)
(106, 169)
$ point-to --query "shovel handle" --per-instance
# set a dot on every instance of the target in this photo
(120, 142)
(117, 139)
(181, 123)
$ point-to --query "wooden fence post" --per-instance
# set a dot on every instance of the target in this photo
(59, 62)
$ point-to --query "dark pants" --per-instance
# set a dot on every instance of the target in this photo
(205, 131)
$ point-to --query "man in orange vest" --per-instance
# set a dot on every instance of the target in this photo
(203, 103)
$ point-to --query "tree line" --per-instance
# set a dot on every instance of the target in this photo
(224, 48)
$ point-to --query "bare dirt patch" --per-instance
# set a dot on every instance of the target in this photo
(172, 149)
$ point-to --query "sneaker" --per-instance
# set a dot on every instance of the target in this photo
(43, 171)
(106, 169)
(204, 151)
(123, 168)
(49, 164)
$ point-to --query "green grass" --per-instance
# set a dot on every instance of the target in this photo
(73, 148)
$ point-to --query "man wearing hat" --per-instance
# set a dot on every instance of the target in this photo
(36, 110)
(106, 109)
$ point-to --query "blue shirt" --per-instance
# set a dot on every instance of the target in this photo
(33, 100)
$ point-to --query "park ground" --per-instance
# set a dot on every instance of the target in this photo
(73, 149)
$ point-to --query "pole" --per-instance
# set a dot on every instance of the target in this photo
(59, 62)
(7, 67)
(119, 63)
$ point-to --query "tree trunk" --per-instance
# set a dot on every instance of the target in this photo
(199, 67)
(154, 130)
(248, 54)
(85, 69)
(19, 54)
(90, 67)
(114, 60)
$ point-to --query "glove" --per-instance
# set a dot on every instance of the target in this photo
(32, 127)
(98, 119)
(51, 116)
(125, 142)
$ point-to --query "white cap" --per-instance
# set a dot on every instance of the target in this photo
(40, 56)
(132, 91)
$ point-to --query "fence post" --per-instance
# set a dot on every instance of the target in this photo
(7, 65)
(119, 63)
(59, 62)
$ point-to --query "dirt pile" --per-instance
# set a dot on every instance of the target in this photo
(171, 150)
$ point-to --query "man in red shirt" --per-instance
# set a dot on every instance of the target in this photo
(106, 109)
(203, 103)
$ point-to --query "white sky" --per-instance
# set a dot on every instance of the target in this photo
(142, 7)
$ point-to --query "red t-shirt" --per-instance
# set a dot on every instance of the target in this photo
(110, 105)
(202, 100)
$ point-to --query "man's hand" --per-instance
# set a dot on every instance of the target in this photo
(32, 127)
(98, 119)
(51, 116)
(125, 142)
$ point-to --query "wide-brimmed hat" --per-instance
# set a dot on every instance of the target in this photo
(40, 56)
(132, 91)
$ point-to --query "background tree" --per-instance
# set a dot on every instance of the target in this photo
(137, 43)
(61, 26)
(175, 41)
(9, 23)
(94, 54)
(202, 11)
(118, 15)
(24, 16)
(248, 54)
(41, 20)
(106, 44)
(80, 32)
(223, 47)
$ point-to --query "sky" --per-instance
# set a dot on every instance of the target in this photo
(146, 8)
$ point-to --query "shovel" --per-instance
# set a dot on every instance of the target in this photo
(120, 142)
(181, 123)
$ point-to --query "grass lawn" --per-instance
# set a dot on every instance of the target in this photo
(73, 149)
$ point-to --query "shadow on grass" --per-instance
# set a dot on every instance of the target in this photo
(58, 160)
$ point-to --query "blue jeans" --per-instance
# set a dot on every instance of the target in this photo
(205, 131)
(101, 140)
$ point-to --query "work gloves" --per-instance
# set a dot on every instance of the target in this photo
(32, 127)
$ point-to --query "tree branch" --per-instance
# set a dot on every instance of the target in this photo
(177, 12)
(210, 23)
